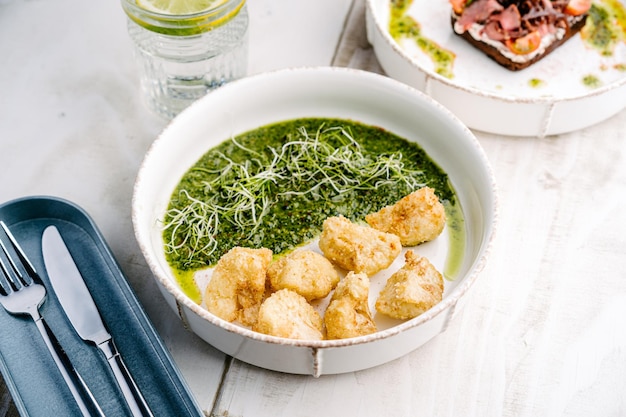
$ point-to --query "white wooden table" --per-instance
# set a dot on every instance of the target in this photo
(543, 331)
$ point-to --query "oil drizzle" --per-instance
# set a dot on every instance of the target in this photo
(605, 27)
(403, 26)
(591, 81)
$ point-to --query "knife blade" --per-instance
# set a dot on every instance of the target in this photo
(79, 307)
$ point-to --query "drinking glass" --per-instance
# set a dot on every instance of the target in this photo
(181, 57)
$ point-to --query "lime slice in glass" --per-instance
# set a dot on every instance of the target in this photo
(178, 7)
(182, 17)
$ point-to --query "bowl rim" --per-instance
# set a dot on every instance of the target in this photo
(448, 301)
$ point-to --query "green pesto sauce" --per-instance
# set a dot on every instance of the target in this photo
(591, 81)
(456, 226)
(606, 26)
(401, 25)
(536, 83)
(187, 283)
(294, 220)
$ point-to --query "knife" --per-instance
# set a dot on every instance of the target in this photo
(81, 310)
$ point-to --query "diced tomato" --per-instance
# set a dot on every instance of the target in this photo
(525, 44)
(577, 7)
(458, 5)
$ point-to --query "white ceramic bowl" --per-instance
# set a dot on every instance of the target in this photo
(490, 98)
(316, 92)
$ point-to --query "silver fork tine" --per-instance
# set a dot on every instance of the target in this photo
(5, 282)
(23, 272)
(21, 294)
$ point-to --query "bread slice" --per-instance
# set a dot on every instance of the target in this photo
(503, 55)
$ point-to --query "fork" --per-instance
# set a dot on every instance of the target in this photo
(20, 293)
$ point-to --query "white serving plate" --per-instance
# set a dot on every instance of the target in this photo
(490, 98)
(316, 92)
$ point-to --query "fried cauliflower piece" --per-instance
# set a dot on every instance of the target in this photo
(348, 314)
(416, 218)
(358, 248)
(287, 314)
(411, 290)
(237, 286)
(306, 272)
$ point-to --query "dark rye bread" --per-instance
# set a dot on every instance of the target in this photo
(495, 54)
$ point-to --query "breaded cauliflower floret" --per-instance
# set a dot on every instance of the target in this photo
(237, 286)
(419, 217)
(411, 290)
(348, 314)
(287, 314)
(306, 272)
(358, 248)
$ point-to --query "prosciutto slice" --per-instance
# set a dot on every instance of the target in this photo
(512, 19)
(478, 12)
